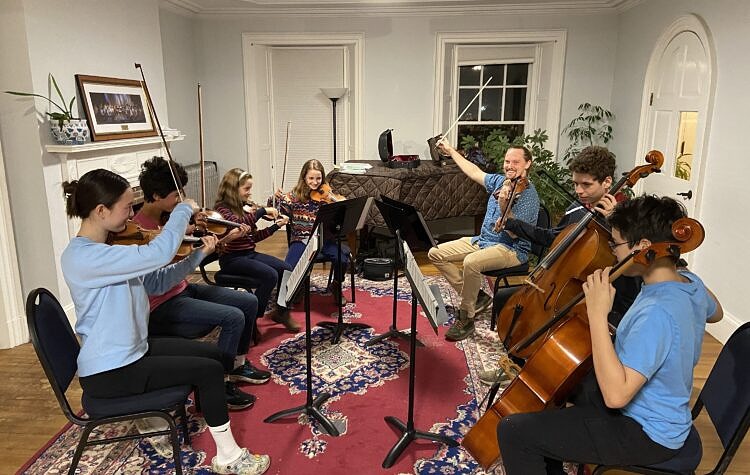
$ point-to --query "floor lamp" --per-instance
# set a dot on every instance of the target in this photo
(334, 94)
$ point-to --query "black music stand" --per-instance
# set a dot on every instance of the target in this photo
(407, 223)
(289, 287)
(337, 220)
(432, 304)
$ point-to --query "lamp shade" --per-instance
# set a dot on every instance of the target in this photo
(334, 92)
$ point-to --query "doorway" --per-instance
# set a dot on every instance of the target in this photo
(676, 112)
(287, 112)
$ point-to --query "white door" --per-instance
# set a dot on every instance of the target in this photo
(677, 114)
(297, 76)
(285, 88)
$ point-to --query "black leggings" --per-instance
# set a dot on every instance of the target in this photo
(588, 432)
(169, 362)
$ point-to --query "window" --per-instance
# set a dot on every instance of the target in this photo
(501, 105)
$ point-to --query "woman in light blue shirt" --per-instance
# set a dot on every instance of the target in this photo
(110, 284)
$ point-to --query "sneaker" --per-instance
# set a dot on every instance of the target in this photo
(162, 444)
(484, 302)
(246, 464)
(492, 376)
(237, 399)
(463, 327)
(248, 373)
(285, 318)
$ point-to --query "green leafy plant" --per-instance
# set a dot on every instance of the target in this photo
(497, 143)
(550, 191)
(682, 167)
(590, 127)
(66, 109)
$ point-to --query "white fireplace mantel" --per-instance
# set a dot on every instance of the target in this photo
(123, 157)
(110, 145)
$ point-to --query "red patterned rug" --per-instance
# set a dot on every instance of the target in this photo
(367, 383)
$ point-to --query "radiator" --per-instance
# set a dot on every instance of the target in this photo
(193, 187)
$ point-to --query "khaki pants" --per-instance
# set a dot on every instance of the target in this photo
(468, 282)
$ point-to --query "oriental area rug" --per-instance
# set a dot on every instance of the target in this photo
(366, 383)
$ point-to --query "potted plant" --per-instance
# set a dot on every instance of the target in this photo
(590, 127)
(65, 128)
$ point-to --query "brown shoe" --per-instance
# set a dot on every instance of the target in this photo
(285, 318)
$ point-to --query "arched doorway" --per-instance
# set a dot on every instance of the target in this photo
(676, 111)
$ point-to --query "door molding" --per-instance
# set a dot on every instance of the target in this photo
(13, 331)
(254, 44)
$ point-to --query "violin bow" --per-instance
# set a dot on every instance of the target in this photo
(200, 147)
(286, 153)
(152, 109)
(466, 108)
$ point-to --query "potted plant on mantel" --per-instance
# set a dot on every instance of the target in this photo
(65, 128)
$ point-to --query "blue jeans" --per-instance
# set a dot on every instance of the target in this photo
(195, 311)
(330, 251)
(263, 270)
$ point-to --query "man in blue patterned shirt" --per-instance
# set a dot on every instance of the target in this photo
(491, 250)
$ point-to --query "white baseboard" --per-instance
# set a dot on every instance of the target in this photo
(18, 332)
(724, 328)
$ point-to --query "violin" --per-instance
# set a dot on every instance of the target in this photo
(135, 234)
(506, 202)
(214, 223)
(565, 357)
(325, 194)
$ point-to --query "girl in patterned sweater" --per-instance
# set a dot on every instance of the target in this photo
(302, 210)
(240, 256)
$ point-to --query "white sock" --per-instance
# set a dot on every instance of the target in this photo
(239, 360)
(227, 449)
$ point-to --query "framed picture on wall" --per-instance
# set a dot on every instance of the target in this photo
(115, 108)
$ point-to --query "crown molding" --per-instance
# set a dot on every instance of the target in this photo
(434, 8)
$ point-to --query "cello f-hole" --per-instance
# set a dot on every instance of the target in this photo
(551, 293)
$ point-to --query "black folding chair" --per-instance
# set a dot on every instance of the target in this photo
(57, 348)
(726, 398)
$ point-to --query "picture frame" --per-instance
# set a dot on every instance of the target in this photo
(115, 108)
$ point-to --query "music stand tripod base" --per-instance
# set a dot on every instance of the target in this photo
(340, 327)
(408, 432)
(311, 408)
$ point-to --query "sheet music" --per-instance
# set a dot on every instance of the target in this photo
(430, 304)
(299, 271)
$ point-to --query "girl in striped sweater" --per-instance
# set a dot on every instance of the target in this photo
(239, 256)
(302, 209)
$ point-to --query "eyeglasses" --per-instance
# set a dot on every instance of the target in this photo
(613, 245)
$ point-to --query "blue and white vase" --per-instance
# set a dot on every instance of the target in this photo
(72, 132)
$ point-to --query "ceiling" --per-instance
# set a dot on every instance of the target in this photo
(397, 7)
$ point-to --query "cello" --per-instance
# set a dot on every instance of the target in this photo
(564, 357)
(575, 253)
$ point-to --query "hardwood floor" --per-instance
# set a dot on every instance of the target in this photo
(30, 415)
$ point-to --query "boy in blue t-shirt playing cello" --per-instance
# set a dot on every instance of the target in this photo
(639, 414)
